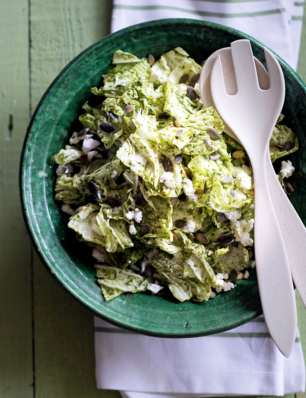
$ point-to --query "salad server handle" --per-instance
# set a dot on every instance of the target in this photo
(273, 271)
(293, 231)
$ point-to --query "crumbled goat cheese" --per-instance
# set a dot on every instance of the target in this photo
(233, 215)
(247, 170)
(132, 229)
(246, 275)
(220, 283)
(238, 195)
(75, 139)
(91, 154)
(287, 169)
(243, 180)
(98, 255)
(213, 295)
(134, 214)
(130, 215)
(189, 190)
(190, 227)
(197, 89)
(242, 229)
(114, 173)
(89, 144)
(168, 179)
(154, 288)
(67, 209)
(210, 252)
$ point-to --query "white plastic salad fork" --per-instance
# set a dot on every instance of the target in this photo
(292, 228)
(252, 113)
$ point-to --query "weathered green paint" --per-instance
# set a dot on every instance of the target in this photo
(64, 356)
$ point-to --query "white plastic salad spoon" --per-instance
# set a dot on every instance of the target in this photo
(292, 228)
(252, 113)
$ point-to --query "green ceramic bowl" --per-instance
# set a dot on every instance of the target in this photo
(55, 119)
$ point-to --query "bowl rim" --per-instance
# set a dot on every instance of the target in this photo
(26, 211)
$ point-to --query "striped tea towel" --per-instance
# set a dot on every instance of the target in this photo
(242, 361)
(276, 23)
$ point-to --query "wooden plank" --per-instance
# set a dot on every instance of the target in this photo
(15, 280)
(64, 334)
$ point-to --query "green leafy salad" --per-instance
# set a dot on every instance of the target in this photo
(152, 183)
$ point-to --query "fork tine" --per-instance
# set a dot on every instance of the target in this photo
(244, 65)
(276, 76)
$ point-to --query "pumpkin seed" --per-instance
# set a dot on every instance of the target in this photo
(214, 156)
(195, 79)
(288, 146)
(167, 165)
(191, 93)
(104, 154)
(101, 249)
(252, 191)
(114, 202)
(176, 122)
(297, 175)
(221, 217)
(205, 187)
(83, 159)
(238, 154)
(207, 144)
(182, 197)
(184, 78)
(94, 189)
(250, 253)
(82, 132)
(188, 173)
(178, 159)
(226, 180)
(199, 191)
(107, 128)
(164, 115)
(279, 146)
(233, 275)
(180, 223)
(174, 237)
(129, 108)
(202, 238)
(273, 148)
(141, 202)
(145, 229)
(226, 242)
(213, 134)
(149, 271)
(151, 59)
(179, 133)
(289, 188)
(196, 300)
(239, 276)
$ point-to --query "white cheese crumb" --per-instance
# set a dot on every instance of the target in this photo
(130, 215)
(190, 227)
(247, 170)
(220, 283)
(154, 288)
(98, 256)
(213, 295)
(246, 275)
(210, 252)
(75, 139)
(137, 215)
(287, 169)
(67, 209)
(114, 173)
(242, 179)
(89, 144)
(168, 179)
(91, 154)
(242, 229)
(132, 229)
(233, 215)
(189, 189)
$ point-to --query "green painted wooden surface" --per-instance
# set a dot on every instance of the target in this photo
(46, 337)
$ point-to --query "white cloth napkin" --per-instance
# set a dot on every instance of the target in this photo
(242, 361)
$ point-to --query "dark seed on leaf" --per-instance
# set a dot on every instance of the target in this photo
(297, 175)
(114, 202)
(90, 198)
(92, 187)
(149, 271)
(288, 146)
(167, 165)
(205, 187)
(235, 244)
(191, 93)
(82, 132)
(221, 217)
(180, 223)
(164, 115)
(289, 188)
(145, 229)
(107, 128)
(151, 59)
(195, 79)
(184, 78)
(233, 275)
(230, 249)
(141, 202)
(213, 134)
(83, 159)
(182, 197)
(226, 242)
(202, 238)
(104, 154)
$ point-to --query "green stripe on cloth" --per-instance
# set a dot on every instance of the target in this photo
(202, 13)
(226, 334)
(293, 18)
(296, 3)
